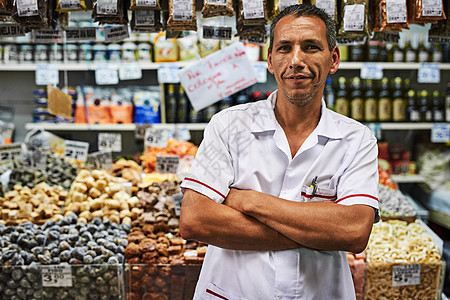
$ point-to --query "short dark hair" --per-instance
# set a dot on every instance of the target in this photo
(307, 10)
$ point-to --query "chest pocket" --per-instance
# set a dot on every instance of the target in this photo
(321, 194)
(213, 292)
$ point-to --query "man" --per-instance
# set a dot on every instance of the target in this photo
(281, 188)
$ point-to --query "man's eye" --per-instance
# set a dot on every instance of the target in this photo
(284, 48)
(312, 47)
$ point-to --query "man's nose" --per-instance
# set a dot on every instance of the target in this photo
(297, 58)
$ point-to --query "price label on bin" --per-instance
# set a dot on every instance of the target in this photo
(156, 137)
(76, 150)
(167, 164)
(100, 160)
(110, 141)
(56, 276)
(405, 275)
(10, 153)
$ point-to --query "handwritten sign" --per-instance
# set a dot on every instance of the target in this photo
(76, 150)
(57, 275)
(110, 141)
(167, 164)
(156, 137)
(106, 74)
(130, 71)
(429, 73)
(440, 133)
(218, 75)
(371, 71)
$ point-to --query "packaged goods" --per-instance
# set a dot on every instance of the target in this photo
(389, 16)
(96, 109)
(188, 46)
(330, 7)
(121, 108)
(395, 249)
(110, 12)
(146, 21)
(422, 12)
(182, 15)
(147, 103)
(354, 19)
(30, 14)
(165, 49)
(216, 8)
(5, 8)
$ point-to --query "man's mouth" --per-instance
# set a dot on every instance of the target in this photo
(298, 76)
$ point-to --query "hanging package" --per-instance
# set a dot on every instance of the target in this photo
(216, 8)
(30, 14)
(182, 15)
(354, 20)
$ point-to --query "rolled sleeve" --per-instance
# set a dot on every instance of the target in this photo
(211, 173)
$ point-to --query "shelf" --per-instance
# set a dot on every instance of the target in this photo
(405, 126)
(107, 127)
(70, 66)
(407, 178)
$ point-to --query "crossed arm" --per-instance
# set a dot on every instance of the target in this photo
(250, 220)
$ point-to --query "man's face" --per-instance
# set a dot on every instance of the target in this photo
(300, 59)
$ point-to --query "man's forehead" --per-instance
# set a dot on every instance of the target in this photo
(313, 25)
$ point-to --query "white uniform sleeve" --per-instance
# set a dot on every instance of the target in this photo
(211, 173)
(359, 183)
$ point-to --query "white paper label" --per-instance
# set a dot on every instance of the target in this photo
(80, 33)
(253, 9)
(10, 30)
(354, 17)
(429, 73)
(47, 36)
(10, 153)
(371, 71)
(26, 8)
(396, 11)
(70, 4)
(130, 71)
(217, 32)
(177, 200)
(146, 3)
(144, 17)
(116, 33)
(107, 7)
(182, 10)
(47, 74)
(440, 133)
(110, 141)
(216, 2)
(183, 134)
(285, 3)
(36, 160)
(167, 164)
(106, 74)
(431, 8)
(56, 276)
(168, 73)
(405, 275)
(328, 6)
(261, 72)
(76, 150)
(100, 160)
(156, 137)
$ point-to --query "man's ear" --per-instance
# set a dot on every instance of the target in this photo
(269, 61)
(335, 60)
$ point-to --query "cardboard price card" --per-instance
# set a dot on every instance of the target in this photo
(405, 275)
(218, 75)
(156, 137)
(110, 141)
(76, 150)
(100, 160)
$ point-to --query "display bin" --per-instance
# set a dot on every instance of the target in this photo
(63, 281)
(175, 282)
(386, 281)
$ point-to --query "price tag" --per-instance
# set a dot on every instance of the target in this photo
(155, 137)
(177, 199)
(115, 33)
(100, 160)
(36, 160)
(110, 141)
(10, 30)
(168, 73)
(440, 133)
(429, 73)
(354, 17)
(261, 72)
(167, 164)
(217, 32)
(371, 71)
(47, 36)
(10, 153)
(56, 276)
(106, 74)
(80, 33)
(130, 71)
(76, 150)
(405, 275)
(47, 74)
